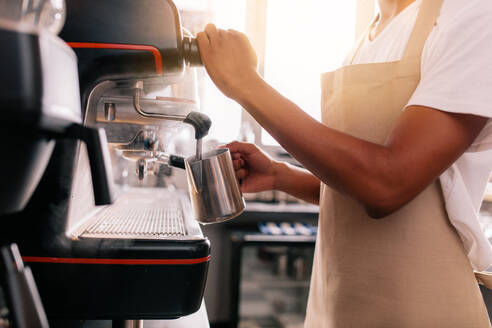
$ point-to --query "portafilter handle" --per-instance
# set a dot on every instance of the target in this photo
(177, 161)
(100, 163)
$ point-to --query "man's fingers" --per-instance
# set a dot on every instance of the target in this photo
(238, 163)
(241, 174)
(211, 32)
(237, 34)
(202, 40)
(236, 155)
(222, 33)
(203, 45)
(242, 147)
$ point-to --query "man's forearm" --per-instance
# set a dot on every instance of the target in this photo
(337, 159)
(363, 170)
(382, 177)
(297, 182)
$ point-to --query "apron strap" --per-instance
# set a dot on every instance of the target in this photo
(428, 13)
(362, 39)
(484, 278)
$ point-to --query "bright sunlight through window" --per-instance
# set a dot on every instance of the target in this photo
(224, 113)
(304, 39)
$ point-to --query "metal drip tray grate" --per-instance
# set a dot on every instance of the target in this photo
(132, 217)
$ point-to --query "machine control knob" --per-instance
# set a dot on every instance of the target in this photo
(191, 52)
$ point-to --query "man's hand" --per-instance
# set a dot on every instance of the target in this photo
(229, 58)
(255, 169)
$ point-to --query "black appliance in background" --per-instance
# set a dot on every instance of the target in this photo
(39, 104)
(127, 277)
(270, 276)
(261, 279)
(20, 304)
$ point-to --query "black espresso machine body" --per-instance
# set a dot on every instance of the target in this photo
(105, 266)
(39, 103)
(127, 40)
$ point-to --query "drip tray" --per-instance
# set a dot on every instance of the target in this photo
(137, 223)
(144, 213)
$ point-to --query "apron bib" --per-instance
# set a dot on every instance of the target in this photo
(408, 269)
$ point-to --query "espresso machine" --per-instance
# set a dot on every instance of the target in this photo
(40, 107)
(144, 256)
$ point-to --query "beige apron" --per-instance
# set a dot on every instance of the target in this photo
(408, 269)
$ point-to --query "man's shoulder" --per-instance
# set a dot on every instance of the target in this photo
(455, 12)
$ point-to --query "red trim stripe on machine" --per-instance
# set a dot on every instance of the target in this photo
(114, 261)
(92, 45)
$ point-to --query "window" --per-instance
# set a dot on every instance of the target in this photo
(304, 39)
(224, 113)
(296, 41)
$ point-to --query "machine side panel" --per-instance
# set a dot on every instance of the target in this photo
(106, 291)
(153, 25)
(21, 83)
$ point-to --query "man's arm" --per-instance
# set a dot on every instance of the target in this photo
(297, 182)
(383, 178)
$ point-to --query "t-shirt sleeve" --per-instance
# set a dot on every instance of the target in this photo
(456, 69)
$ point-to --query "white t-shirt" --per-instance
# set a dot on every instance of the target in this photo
(456, 76)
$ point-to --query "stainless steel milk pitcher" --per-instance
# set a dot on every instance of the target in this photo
(212, 186)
